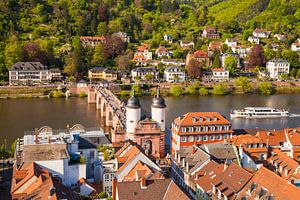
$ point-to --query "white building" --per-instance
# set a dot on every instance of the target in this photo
(172, 62)
(277, 67)
(295, 46)
(68, 155)
(174, 74)
(168, 39)
(261, 33)
(220, 74)
(254, 40)
(241, 51)
(28, 73)
(231, 42)
(142, 73)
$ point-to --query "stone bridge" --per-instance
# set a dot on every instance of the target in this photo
(112, 108)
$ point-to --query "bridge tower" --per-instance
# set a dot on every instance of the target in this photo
(133, 114)
(158, 110)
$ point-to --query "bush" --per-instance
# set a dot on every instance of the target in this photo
(102, 195)
(82, 94)
(176, 90)
(220, 89)
(265, 88)
(124, 93)
(203, 92)
(244, 83)
(192, 90)
(57, 94)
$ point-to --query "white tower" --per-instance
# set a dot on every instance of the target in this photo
(133, 114)
(158, 110)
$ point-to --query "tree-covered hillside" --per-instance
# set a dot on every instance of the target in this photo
(49, 30)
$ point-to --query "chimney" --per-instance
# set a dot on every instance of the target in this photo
(143, 183)
(114, 188)
(194, 149)
(49, 140)
(136, 176)
(36, 136)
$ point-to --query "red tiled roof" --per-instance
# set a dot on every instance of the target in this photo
(284, 161)
(293, 134)
(187, 119)
(272, 137)
(160, 189)
(218, 70)
(271, 184)
(200, 54)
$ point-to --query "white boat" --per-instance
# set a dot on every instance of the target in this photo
(259, 112)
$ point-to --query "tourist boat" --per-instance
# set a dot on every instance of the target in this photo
(259, 112)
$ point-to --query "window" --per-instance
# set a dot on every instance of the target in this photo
(219, 137)
(106, 177)
(212, 137)
(191, 138)
(191, 129)
(183, 139)
(198, 138)
(92, 154)
(205, 138)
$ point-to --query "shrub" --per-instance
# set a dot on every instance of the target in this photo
(265, 88)
(57, 94)
(203, 92)
(82, 94)
(102, 195)
(220, 89)
(176, 90)
(192, 90)
(124, 93)
(244, 83)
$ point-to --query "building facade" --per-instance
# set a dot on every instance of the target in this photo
(220, 74)
(100, 73)
(174, 74)
(278, 67)
(199, 128)
(28, 73)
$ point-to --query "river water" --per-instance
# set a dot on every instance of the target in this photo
(19, 115)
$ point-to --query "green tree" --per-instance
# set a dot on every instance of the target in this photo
(265, 88)
(192, 90)
(293, 72)
(203, 92)
(230, 64)
(137, 90)
(149, 77)
(176, 90)
(292, 57)
(12, 53)
(99, 58)
(220, 89)
(216, 62)
(244, 83)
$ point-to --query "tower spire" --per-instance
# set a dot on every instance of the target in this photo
(158, 92)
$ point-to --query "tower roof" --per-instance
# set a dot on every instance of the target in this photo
(133, 101)
(158, 101)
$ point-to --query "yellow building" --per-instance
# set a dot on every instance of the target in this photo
(101, 73)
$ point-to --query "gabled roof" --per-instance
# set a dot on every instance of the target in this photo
(282, 160)
(85, 144)
(220, 151)
(272, 137)
(232, 177)
(159, 189)
(34, 182)
(214, 118)
(293, 135)
(25, 66)
(239, 140)
(200, 54)
(266, 183)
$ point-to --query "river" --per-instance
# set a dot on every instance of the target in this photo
(19, 115)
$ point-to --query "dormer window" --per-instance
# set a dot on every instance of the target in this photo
(207, 119)
(201, 119)
(194, 119)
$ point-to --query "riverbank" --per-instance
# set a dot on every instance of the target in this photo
(29, 92)
(198, 89)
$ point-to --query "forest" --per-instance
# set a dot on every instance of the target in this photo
(48, 31)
